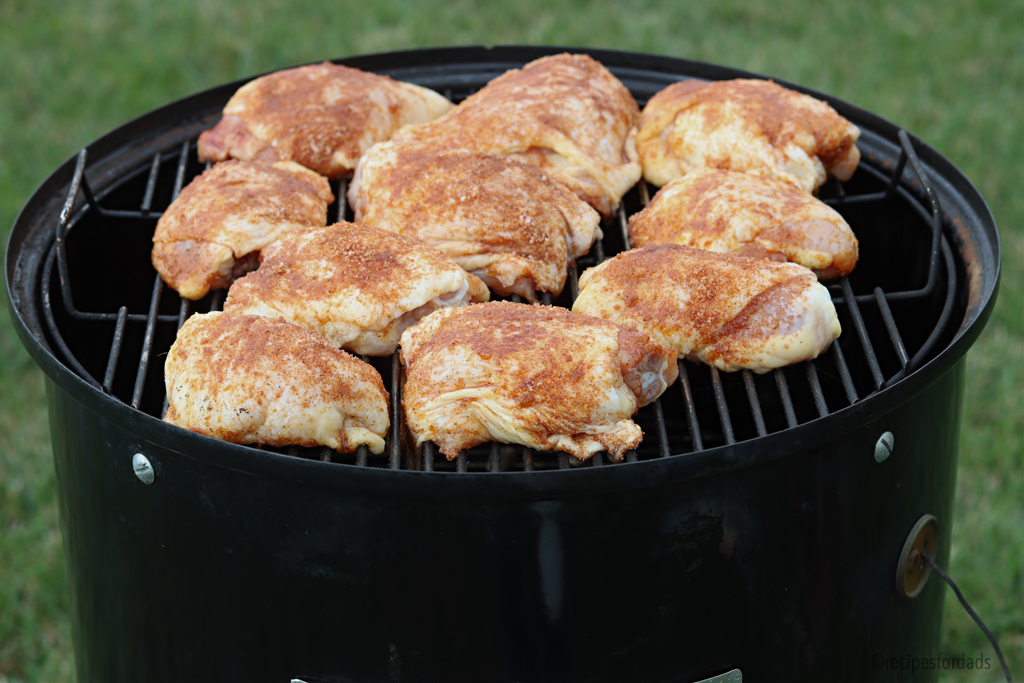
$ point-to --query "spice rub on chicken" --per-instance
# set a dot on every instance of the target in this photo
(740, 213)
(538, 376)
(358, 286)
(212, 233)
(323, 116)
(566, 114)
(253, 380)
(504, 221)
(724, 310)
(747, 125)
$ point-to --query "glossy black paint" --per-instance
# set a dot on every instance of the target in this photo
(782, 568)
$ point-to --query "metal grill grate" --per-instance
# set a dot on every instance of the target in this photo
(705, 409)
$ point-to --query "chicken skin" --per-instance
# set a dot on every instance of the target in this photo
(253, 380)
(323, 116)
(212, 233)
(745, 125)
(504, 221)
(358, 286)
(538, 376)
(566, 114)
(740, 213)
(724, 310)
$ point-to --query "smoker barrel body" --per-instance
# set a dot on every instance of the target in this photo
(774, 555)
(225, 568)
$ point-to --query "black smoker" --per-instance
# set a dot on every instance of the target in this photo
(758, 528)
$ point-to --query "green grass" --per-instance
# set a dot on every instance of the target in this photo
(952, 73)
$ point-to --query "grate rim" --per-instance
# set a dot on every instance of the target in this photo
(707, 424)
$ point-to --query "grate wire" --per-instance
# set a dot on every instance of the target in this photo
(663, 415)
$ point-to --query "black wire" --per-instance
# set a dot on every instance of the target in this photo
(974, 615)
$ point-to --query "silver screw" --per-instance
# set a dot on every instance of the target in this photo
(143, 469)
(883, 449)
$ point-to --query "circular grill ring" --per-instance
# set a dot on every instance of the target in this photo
(491, 459)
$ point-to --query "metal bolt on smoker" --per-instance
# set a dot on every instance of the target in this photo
(883, 449)
(143, 468)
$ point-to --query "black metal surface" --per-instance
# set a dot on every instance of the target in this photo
(752, 529)
(782, 569)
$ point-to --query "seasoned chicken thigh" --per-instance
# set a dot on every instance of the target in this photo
(566, 114)
(212, 233)
(740, 213)
(253, 380)
(538, 376)
(358, 286)
(500, 219)
(746, 125)
(323, 116)
(724, 310)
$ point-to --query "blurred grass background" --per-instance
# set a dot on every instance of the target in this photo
(951, 72)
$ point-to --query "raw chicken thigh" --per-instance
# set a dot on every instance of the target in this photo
(566, 114)
(746, 125)
(500, 219)
(212, 233)
(538, 376)
(323, 116)
(740, 213)
(358, 286)
(253, 380)
(724, 310)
